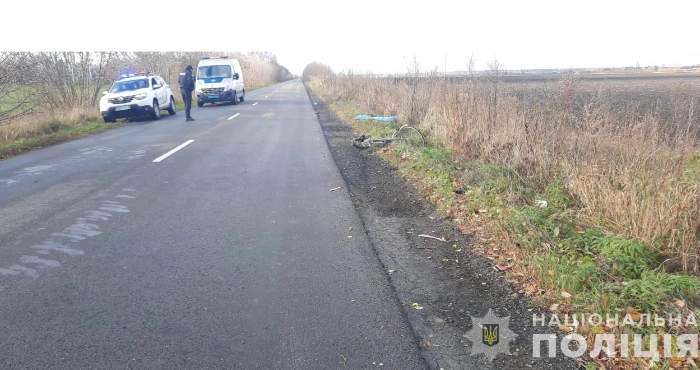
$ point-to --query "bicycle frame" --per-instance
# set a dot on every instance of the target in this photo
(366, 141)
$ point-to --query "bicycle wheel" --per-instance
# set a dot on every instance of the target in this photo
(361, 142)
(411, 136)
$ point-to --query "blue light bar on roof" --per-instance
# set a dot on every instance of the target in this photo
(206, 57)
(127, 75)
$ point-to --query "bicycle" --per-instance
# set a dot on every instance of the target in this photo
(405, 133)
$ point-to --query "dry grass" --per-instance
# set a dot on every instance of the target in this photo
(48, 122)
(626, 151)
(601, 162)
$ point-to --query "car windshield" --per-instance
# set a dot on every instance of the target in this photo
(213, 72)
(130, 85)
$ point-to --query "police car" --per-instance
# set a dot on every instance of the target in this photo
(136, 95)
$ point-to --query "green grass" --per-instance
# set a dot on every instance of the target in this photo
(603, 272)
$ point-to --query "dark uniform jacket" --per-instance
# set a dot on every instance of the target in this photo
(187, 81)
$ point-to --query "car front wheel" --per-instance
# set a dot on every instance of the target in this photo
(156, 110)
(171, 108)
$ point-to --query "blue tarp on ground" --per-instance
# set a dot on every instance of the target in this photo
(384, 119)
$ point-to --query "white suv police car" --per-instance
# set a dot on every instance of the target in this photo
(135, 95)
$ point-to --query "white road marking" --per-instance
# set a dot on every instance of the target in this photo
(168, 154)
(265, 97)
(256, 103)
(232, 117)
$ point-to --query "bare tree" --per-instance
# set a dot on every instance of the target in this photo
(16, 98)
(165, 64)
(72, 79)
(315, 69)
(495, 76)
(66, 80)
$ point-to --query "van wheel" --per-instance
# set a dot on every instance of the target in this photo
(109, 119)
(171, 108)
(200, 104)
(243, 96)
(235, 99)
(156, 110)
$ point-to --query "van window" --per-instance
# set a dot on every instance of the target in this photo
(213, 72)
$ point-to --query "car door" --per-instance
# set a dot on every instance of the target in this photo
(159, 91)
(167, 92)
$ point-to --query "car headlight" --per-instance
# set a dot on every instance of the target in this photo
(140, 96)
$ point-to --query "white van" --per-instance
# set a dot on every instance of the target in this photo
(219, 79)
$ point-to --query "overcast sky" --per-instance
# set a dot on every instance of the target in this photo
(373, 36)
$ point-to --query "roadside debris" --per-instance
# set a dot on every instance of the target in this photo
(500, 267)
(417, 306)
(338, 188)
(565, 328)
(433, 237)
(383, 119)
(542, 203)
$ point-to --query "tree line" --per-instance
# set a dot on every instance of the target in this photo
(55, 81)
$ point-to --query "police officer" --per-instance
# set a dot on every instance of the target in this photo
(186, 87)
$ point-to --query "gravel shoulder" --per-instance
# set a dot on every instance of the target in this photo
(451, 285)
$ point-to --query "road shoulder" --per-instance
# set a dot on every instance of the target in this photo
(447, 282)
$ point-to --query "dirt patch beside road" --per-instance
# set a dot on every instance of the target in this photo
(449, 283)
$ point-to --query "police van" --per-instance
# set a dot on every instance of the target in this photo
(219, 79)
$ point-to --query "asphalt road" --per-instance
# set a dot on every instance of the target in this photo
(232, 252)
